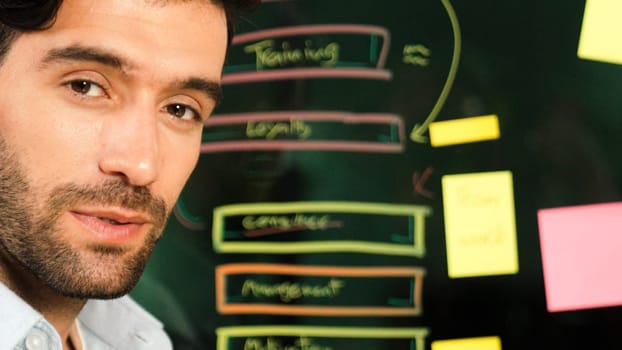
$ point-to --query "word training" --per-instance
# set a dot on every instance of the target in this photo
(269, 56)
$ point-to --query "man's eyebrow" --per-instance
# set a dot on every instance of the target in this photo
(85, 53)
(208, 87)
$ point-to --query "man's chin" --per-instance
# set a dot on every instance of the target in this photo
(96, 293)
(95, 288)
(103, 275)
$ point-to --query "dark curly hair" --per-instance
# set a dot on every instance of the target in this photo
(18, 16)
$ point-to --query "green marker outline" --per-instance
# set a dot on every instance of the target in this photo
(415, 248)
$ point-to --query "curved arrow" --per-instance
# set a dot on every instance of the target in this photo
(416, 134)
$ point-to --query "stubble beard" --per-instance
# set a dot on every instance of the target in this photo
(31, 236)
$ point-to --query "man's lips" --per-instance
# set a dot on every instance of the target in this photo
(112, 225)
(119, 216)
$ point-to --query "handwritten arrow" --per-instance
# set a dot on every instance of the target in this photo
(417, 134)
(419, 182)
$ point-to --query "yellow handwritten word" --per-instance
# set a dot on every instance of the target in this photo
(267, 56)
(417, 55)
(302, 343)
(292, 291)
(312, 222)
(271, 130)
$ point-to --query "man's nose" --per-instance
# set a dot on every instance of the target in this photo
(130, 147)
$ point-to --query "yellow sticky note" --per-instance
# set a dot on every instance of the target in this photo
(464, 130)
(482, 343)
(480, 224)
(600, 33)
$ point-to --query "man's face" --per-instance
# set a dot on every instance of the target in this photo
(100, 127)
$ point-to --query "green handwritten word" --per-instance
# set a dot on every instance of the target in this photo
(302, 343)
(271, 130)
(267, 56)
(288, 291)
(312, 222)
(417, 55)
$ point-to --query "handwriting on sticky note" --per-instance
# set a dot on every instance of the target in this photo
(464, 130)
(600, 32)
(481, 343)
(480, 225)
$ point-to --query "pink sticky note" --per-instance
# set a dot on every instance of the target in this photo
(581, 256)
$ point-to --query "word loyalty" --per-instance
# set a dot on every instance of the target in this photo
(272, 130)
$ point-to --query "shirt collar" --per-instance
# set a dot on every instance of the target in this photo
(118, 323)
(18, 317)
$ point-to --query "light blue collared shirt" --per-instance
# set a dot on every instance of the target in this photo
(118, 324)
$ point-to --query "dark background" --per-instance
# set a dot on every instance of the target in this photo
(560, 121)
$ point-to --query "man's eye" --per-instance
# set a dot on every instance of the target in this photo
(182, 112)
(87, 88)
